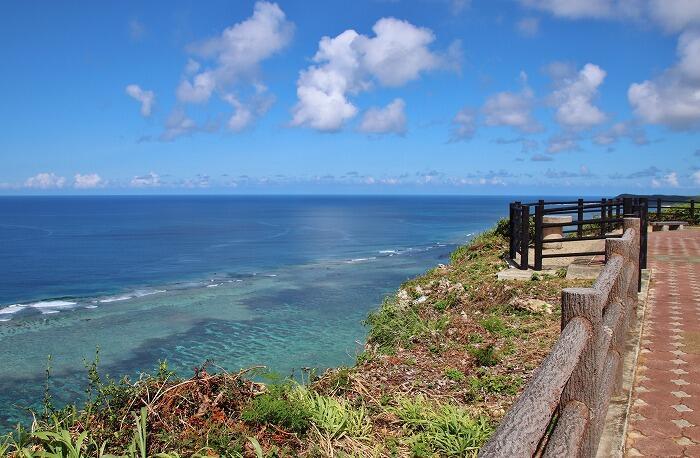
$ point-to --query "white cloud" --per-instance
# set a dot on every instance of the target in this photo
(561, 143)
(178, 124)
(669, 180)
(574, 99)
(197, 91)
(149, 180)
(146, 98)
(390, 119)
(246, 113)
(574, 9)
(675, 15)
(237, 52)
(351, 63)
(87, 181)
(512, 109)
(234, 59)
(528, 26)
(45, 180)
(672, 15)
(696, 177)
(614, 133)
(463, 125)
(673, 98)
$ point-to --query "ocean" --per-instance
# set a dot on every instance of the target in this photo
(280, 281)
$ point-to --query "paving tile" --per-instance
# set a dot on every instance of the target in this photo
(665, 416)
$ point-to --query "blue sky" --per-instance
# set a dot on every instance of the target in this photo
(422, 96)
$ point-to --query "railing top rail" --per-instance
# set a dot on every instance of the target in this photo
(563, 202)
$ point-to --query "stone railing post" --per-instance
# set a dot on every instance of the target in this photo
(586, 303)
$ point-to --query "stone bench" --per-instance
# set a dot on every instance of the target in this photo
(668, 225)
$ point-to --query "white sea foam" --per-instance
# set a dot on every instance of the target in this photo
(388, 252)
(10, 309)
(214, 285)
(356, 260)
(115, 299)
(49, 312)
(4, 319)
(51, 304)
(271, 275)
(144, 292)
(90, 306)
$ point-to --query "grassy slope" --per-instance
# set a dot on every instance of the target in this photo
(446, 356)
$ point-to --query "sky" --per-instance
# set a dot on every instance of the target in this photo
(549, 97)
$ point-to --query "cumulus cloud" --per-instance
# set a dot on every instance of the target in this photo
(146, 98)
(177, 125)
(669, 180)
(463, 125)
(45, 180)
(87, 181)
(149, 180)
(671, 15)
(512, 109)
(237, 52)
(675, 15)
(695, 176)
(573, 98)
(229, 65)
(672, 99)
(351, 63)
(245, 114)
(528, 26)
(390, 119)
(618, 130)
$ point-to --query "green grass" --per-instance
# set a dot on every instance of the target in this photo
(486, 356)
(454, 374)
(393, 325)
(479, 387)
(443, 429)
(281, 405)
(337, 417)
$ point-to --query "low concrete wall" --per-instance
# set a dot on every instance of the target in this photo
(562, 410)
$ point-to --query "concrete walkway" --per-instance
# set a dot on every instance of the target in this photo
(665, 415)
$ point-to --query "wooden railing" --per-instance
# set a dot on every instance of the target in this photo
(660, 210)
(563, 407)
(590, 220)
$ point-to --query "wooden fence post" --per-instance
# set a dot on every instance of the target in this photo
(579, 229)
(692, 212)
(511, 231)
(602, 217)
(524, 236)
(539, 213)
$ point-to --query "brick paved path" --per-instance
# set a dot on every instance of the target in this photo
(665, 415)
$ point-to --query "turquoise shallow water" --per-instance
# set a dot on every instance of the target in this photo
(280, 282)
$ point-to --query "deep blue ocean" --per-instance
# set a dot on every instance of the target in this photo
(280, 281)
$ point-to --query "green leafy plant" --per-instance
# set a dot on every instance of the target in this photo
(454, 374)
(445, 429)
(486, 356)
(281, 406)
